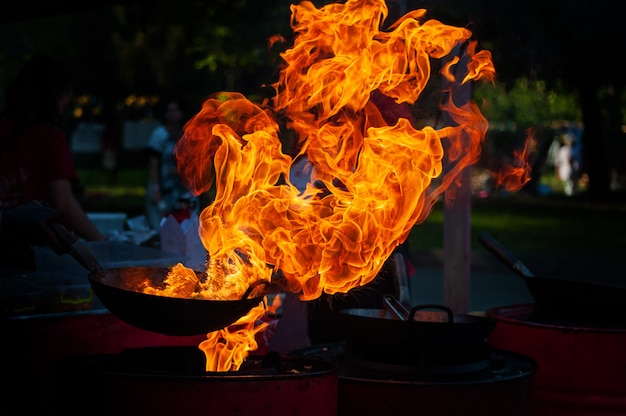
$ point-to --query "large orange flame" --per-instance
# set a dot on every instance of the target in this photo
(370, 182)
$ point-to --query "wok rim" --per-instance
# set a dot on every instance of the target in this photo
(96, 278)
(166, 314)
(468, 319)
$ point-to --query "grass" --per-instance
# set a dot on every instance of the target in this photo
(550, 224)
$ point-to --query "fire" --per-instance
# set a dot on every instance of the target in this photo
(227, 348)
(370, 182)
(514, 175)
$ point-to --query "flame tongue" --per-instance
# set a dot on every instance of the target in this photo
(370, 179)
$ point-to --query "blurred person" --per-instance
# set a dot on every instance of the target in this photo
(36, 163)
(567, 166)
(165, 193)
(111, 143)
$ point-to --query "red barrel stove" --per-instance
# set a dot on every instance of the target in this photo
(492, 383)
(581, 365)
(423, 360)
(418, 360)
(575, 330)
(172, 380)
(35, 346)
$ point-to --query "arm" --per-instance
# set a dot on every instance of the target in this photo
(31, 221)
(72, 214)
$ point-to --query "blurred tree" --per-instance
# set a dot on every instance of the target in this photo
(189, 49)
(194, 48)
(574, 43)
(528, 103)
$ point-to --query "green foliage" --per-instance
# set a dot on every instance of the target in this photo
(230, 41)
(528, 103)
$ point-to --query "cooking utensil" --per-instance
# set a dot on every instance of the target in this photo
(378, 334)
(393, 305)
(121, 291)
(69, 243)
(563, 298)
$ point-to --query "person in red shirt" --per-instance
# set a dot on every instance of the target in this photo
(35, 158)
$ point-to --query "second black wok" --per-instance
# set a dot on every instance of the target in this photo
(589, 299)
(378, 334)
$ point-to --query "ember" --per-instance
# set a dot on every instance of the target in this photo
(370, 182)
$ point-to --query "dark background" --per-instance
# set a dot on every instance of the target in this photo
(120, 48)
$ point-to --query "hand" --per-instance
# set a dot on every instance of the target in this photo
(32, 222)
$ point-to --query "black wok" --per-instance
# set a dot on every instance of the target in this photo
(120, 291)
(562, 298)
(378, 334)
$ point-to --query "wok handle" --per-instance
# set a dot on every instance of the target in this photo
(71, 244)
(504, 255)
(392, 304)
(253, 286)
(447, 310)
